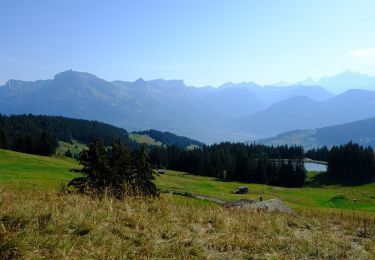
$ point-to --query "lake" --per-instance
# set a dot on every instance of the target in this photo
(315, 167)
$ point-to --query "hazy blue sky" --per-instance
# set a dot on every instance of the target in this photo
(200, 41)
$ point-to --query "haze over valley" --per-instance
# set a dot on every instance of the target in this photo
(231, 112)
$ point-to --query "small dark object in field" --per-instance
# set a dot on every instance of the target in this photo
(82, 231)
(242, 190)
(161, 171)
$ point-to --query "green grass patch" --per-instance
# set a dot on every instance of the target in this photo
(361, 197)
(144, 139)
(24, 171)
(75, 147)
(192, 147)
(19, 170)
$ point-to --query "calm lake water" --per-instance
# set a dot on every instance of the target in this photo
(315, 167)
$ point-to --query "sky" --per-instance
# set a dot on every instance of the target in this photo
(206, 42)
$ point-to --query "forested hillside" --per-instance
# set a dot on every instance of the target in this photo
(170, 139)
(40, 134)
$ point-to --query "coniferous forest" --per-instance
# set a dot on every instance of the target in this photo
(282, 165)
(40, 134)
(170, 138)
(279, 165)
(318, 154)
(352, 162)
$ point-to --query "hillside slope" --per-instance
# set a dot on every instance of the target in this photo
(26, 171)
(362, 132)
(17, 131)
(13, 129)
(305, 113)
(158, 138)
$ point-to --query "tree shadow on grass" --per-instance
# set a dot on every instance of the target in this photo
(323, 179)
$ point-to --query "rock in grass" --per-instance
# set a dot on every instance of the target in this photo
(272, 205)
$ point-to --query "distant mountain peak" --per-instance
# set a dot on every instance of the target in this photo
(339, 83)
(347, 74)
(173, 83)
(76, 74)
(350, 72)
(12, 83)
(139, 80)
(243, 84)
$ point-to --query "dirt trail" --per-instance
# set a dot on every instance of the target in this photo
(272, 205)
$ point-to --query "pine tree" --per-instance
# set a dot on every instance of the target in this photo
(95, 169)
(46, 145)
(68, 153)
(142, 174)
(3, 140)
(114, 170)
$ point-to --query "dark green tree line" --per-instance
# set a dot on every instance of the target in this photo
(352, 162)
(318, 154)
(40, 134)
(281, 165)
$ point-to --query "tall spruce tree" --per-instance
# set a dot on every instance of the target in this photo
(3, 140)
(114, 170)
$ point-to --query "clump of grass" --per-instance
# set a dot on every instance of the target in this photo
(338, 198)
(53, 225)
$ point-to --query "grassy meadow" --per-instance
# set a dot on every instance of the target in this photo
(37, 221)
(144, 139)
(361, 197)
(26, 171)
(75, 147)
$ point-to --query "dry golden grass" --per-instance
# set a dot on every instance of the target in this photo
(37, 225)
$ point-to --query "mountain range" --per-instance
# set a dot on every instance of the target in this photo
(342, 82)
(233, 111)
(303, 113)
(361, 131)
